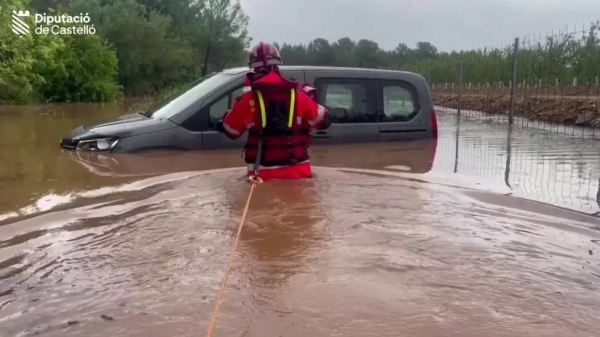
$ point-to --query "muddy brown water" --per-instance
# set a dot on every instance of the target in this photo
(497, 236)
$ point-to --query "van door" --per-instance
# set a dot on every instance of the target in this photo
(351, 99)
(212, 113)
(401, 114)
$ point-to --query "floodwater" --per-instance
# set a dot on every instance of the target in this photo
(499, 235)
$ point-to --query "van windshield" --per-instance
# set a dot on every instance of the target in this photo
(182, 98)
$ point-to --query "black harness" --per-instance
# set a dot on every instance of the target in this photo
(277, 123)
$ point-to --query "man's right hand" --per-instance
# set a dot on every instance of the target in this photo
(326, 122)
(219, 124)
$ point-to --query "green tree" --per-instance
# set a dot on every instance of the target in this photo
(20, 56)
(150, 58)
(222, 33)
(85, 69)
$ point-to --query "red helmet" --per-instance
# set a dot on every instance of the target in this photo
(264, 54)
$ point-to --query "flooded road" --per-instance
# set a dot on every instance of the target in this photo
(487, 232)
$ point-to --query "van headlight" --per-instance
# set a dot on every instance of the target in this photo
(100, 144)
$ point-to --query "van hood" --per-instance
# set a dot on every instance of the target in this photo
(129, 125)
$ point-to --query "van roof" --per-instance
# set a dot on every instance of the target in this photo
(238, 70)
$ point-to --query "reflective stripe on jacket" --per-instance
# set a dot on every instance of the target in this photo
(279, 113)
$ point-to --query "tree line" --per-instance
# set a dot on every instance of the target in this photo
(140, 47)
(560, 60)
(148, 47)
(557, 60)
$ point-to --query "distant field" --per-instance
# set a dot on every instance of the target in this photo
(591, 92)
(571, 106)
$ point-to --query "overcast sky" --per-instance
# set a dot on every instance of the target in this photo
(448, 24)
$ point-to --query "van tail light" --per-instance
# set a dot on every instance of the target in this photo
(434, 124)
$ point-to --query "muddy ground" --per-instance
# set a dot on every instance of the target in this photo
(590, 92)
(569, 105)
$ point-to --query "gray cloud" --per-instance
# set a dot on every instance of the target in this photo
(448, 24)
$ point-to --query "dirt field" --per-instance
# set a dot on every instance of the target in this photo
(590, 92)
(567, 105)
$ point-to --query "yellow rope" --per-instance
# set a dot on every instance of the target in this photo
(213, 322)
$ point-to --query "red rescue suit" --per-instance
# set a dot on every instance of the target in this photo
(280, 115)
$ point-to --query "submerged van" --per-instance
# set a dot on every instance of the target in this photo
(366, 105)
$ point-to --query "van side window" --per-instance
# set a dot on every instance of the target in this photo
(217, 110)
(398, 101)
(237, 93)
(338, 96)
(200, 122)
(348, 100)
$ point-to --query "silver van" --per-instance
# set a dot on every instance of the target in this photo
(366, 105)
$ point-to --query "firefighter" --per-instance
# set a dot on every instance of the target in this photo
(279, 115)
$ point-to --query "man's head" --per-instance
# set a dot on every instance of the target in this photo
(264, 58)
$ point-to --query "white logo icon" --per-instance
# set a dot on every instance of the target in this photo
(19, 26)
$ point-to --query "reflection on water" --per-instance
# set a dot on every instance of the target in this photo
(419, 238)
(284, 233)
(36, 175)
(31, 164)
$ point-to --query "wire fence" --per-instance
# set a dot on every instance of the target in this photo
(566, 175)
(547, 81)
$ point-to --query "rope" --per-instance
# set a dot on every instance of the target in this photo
(254, 181)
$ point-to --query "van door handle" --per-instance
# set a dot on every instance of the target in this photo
(321, 134)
